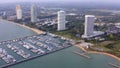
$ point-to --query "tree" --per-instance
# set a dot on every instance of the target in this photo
(111, 36)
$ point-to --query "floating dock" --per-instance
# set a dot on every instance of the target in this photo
(56, 45)
(25, 60)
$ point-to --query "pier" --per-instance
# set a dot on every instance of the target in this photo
(82, 54)
(114, 65)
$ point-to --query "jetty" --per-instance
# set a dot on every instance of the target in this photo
(114, 65)
(82, 54)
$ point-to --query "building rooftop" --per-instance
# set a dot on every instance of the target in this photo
(95, 33)
(61, 11)
(89, 16)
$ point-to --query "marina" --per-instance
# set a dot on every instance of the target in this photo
(66, 57)
(39, 45)
(18, 51)
(6, 57)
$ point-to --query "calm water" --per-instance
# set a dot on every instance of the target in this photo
(61, 59)
(12, 31)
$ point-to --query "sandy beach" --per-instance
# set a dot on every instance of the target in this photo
(95, 52)
(113, 56)
(33, 29)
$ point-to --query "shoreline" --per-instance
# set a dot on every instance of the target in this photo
(96, 52)
(104, 53)
(33, 29)
(41, 32)
(92, 52)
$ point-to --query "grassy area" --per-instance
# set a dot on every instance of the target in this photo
(66, 34)
(74, 30)
(112, 47)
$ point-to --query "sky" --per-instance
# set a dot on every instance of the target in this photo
(108, 1)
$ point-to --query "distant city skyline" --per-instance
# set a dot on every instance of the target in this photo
(108, 1)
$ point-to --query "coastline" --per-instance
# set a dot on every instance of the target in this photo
(104, 53)
(33, 29)
(41, 32)
(92, 52)
(95, 52)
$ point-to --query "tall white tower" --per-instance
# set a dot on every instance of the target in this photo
(89, 26)
(61, 20)
(33, 13)
(18, 12)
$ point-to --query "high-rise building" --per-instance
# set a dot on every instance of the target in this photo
(89, 27)
(18, 12)
(4, 16)
(61, 20)
(33, 13)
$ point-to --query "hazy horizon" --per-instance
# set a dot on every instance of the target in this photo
(99, 1)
